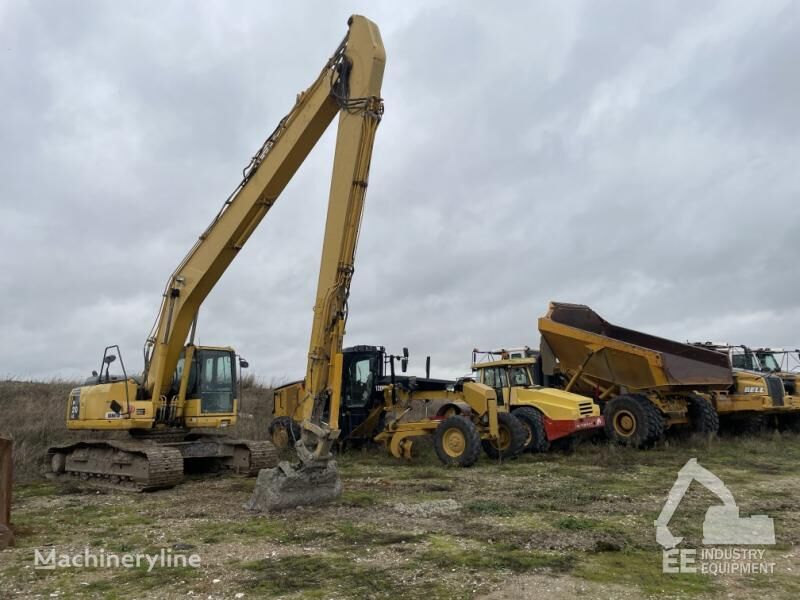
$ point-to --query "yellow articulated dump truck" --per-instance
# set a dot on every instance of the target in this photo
(378, 404)
(764, 394)
(553, 418)
(645, 384)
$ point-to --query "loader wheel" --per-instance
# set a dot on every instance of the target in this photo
(633, 420)
(511, 434)
(536, 436)
(283, 432)
(457, 442)
(702, 416)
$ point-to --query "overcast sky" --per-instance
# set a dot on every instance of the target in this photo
(638, 157)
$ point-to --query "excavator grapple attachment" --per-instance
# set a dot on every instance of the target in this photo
(287, 486)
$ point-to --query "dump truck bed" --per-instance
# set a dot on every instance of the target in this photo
(579, 337)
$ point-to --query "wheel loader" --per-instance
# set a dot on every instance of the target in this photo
(186, 388)
(378, 404)
(552, 417)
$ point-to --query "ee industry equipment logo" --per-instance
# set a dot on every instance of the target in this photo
(723, 526)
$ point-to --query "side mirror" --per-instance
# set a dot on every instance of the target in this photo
(109, 359)
(243, 364)
(405, 353)
(94, 373)
(404, 364)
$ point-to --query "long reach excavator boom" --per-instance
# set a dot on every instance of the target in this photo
(184, 386)
(315, 479)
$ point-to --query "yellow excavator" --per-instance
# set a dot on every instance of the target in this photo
(186, 387)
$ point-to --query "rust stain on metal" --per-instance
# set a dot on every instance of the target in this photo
(6, 478)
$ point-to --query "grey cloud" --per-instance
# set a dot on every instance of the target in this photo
(639, 158)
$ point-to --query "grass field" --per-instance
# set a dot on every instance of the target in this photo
(551, 526)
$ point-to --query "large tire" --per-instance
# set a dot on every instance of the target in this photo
(283, 432)
(752, 425)
(511, 438)
(536, 436)
(703, 418)
(632, 420)
(457, 442)
(789, 423)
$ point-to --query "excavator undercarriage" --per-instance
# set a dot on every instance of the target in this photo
(146, 465)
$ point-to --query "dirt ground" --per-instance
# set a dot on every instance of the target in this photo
(554, 526)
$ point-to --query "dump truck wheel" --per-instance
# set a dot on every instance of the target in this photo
(633, 420)
(752, 425)
(457, 442)
(511, 438)
(790, 423)
(536, 436)
(283, 432)
(702, 416)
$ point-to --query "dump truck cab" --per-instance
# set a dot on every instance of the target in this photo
(776, 361)
(759, 394)
(549, 414)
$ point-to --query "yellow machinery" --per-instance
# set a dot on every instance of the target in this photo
(647, 384)
(762, 393)
(552, 417)
(184, 386)
(315, 478)
(644, 383)
(378, 404)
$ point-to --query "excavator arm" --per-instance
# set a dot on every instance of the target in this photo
(349, 85)
(354, 145)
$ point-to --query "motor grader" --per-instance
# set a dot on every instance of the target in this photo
(186, 388)
(378, 404)
(552, 417)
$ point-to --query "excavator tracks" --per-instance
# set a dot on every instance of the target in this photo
(144, 465)
(119, 465)
(263, 455)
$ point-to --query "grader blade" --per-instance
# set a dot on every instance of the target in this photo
(287, 486)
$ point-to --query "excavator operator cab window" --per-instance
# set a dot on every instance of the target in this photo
(359, 381)
(217, 380)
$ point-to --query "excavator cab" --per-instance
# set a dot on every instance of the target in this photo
(211, 380)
